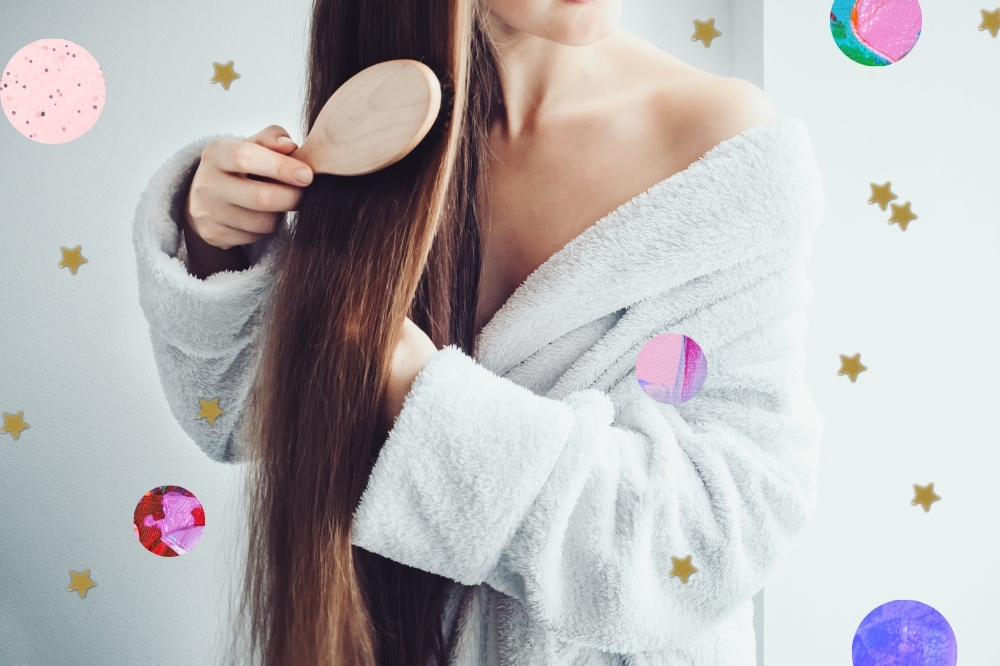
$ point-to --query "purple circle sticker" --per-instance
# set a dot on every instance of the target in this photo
(169, 521)
(52, 91)
(671, 368)
(904, 633)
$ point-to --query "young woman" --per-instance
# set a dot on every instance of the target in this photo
(450, 459)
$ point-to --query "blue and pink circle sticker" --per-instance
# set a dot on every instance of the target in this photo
(904, 633)
(671, 368)
(876, 32)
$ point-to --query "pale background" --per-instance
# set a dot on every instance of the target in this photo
(920, 306)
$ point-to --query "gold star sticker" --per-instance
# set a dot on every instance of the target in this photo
(902, 215)
(682, 568)
(991, 21)
(851, 366)
(925, 496)
(72, 259)
(705, 31)
(210, 410)
(882, 195)
(224, 74)
(14, 424)
(80, 582)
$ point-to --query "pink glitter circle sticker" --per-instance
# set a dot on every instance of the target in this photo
(671, 368)
(169, 521)
(52, 91)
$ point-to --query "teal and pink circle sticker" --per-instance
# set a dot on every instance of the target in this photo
(876, 32)
(671, 368)
(169, 521)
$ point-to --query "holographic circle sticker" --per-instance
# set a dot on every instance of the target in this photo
(876, 32)
(169, 521)
(671, 368)
(904, 633)
(52, 91)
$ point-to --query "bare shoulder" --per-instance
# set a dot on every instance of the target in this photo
(707, 109)
(690, 102)
(727, 106)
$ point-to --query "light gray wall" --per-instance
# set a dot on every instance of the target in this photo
(74, 349)
(746, 60)
(921, 307)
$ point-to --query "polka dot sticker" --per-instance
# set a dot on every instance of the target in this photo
(876, 32)
(671, 368)
(904, 633)
(52, 91)
(169, 521)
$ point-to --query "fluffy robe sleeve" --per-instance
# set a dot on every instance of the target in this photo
(202, 331)
(577, 506)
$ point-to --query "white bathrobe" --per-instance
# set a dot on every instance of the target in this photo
(537, 474)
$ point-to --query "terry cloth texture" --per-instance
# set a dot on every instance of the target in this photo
(537, 474)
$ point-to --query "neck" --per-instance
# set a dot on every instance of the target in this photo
(543, 79)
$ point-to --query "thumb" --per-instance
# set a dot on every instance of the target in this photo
(275, 138)
(284, 145)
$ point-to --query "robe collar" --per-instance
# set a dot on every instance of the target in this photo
(732, 203)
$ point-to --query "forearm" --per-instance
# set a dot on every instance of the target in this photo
(204, 259)
(412, 353)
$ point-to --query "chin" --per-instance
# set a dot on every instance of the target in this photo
(567, 22)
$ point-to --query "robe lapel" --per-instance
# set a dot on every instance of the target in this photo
(729, 205)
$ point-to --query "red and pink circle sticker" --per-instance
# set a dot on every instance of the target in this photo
(671, 368)
(52, 91)
(169, 521)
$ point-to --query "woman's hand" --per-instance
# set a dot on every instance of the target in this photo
(413, 351)
(229, 203)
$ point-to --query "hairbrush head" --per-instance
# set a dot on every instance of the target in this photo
(374, 119)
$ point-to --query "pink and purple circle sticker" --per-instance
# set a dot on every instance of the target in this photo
(904, 633)
(52, 91)
(169, 521)
(671, 368)
(876, 32)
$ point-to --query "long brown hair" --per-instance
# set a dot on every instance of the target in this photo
(362, 253)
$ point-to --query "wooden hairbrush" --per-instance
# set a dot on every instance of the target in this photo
(374, 119)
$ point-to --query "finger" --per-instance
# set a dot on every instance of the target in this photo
(273, 135)
(261, 196)
(241, 227)
(254, 222)
(245, 157)
(275, 138)
(284, 145)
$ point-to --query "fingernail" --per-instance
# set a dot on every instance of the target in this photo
(303, 175)
(284, 139)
